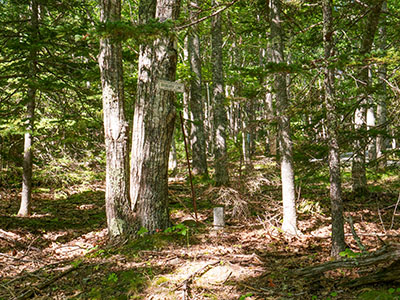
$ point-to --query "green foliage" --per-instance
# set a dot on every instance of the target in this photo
(142, 231)
(243, 297)
(348, 253)
(390, 294)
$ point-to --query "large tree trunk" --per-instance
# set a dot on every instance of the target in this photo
(26, 195)
(358, 167)
(218, 94)
(153, 121)
(118, 210)
(197, 137)
(338, 242)
(285, 142)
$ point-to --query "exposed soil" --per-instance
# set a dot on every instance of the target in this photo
(61, 252)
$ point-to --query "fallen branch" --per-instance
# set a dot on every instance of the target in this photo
(31, 290)
(349, 219)
(185, 284)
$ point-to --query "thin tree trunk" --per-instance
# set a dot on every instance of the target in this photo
(381, 107)
(338, 241)
(118, 210)
(285, 142)
(172, 161)
(197, 137)
(153, 121)
(358, 168)
(218, 90)
(26, 195)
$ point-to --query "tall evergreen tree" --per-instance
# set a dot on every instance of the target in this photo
(26, 195)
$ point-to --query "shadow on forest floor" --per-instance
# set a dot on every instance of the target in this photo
(61, 252)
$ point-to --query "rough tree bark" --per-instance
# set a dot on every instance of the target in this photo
(118, 210)
(359, 179)
(338, 241)
(218, 90)
(26, 195)
(197, 137)
(285, 142)
(153, 121)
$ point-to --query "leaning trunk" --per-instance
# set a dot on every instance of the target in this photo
(153, 121)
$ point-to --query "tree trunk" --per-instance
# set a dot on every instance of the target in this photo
(218, 90)
(338, 241)
(26, 195)
(172, 161)
(381, 107)
(197, 137)
(153, 121)
(285, 142)
(118, 210)
(358, 167)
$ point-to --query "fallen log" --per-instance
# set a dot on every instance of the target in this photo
(387, 254)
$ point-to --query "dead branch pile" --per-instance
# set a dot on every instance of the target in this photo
(235, 206)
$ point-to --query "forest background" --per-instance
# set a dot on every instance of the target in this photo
(290, 111)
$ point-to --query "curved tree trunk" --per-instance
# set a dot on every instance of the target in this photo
(26, 195)
(118, 210)
(218, 94)
(153, 121)
(338, 242)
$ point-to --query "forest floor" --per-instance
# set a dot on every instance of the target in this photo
(61, 251)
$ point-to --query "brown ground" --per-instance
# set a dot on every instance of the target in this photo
(61, 252)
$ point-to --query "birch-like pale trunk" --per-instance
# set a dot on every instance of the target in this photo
(118, 210)
(26, 194)
(218, 96)
(285, 142)
(359, 184)
(338, 241)
(197, 136)
(153, 121)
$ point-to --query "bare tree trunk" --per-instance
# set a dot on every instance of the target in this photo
(358, 167)
(153, 121)
(197, 137)
(118, 210)
(338, 242)
(218, 90)
(285, 142)
(26, 195)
